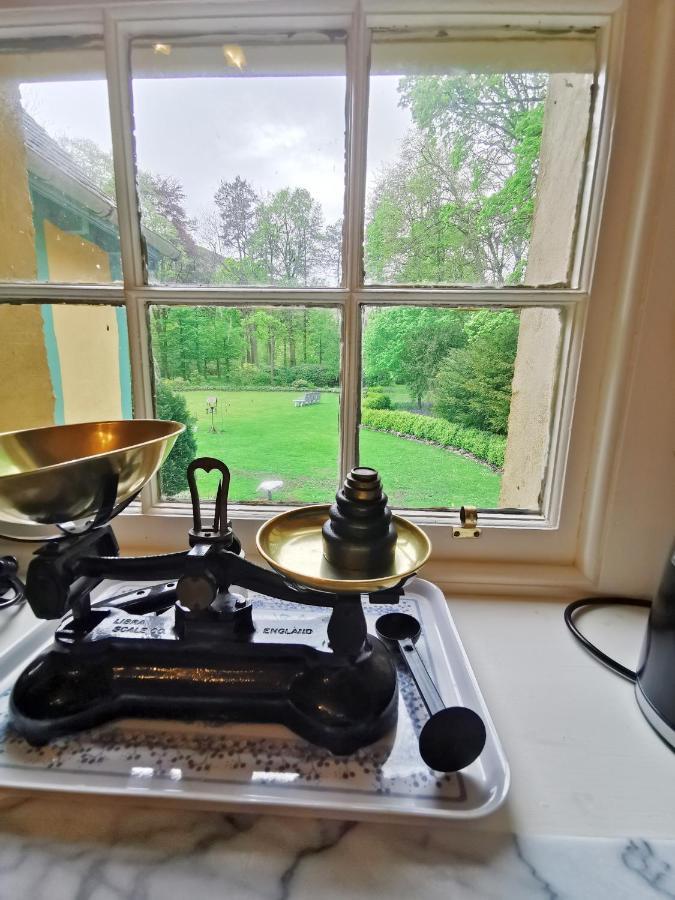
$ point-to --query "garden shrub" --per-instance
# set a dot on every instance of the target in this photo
(224, 387)
(249, 377)
(482, 444)
(172, 406)
(300, 384)
(317, 375)
(376, 399)
(284, 376)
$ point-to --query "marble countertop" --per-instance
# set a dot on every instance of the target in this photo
(51, 849)
(591, 812)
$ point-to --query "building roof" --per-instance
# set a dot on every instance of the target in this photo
(48, 160)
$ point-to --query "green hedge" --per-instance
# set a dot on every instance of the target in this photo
(482, 444)
(259, 388)
(248, 376)
(374, 399)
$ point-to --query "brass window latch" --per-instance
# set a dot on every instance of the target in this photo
(468, 528)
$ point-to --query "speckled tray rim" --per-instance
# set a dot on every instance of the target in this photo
(307, 800)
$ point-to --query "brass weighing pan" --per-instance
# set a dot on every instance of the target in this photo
(293, 545)
(78, 475)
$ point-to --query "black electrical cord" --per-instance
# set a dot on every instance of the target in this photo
(588, 645)
(12, 589)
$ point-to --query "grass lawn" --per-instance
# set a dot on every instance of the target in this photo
(398, 393)
(261, 435)
(417, 475)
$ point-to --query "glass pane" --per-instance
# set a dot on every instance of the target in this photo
(457, 404)
(259, 389)
(58, 217)
(476, 155)
(63, 363)
(240, 154)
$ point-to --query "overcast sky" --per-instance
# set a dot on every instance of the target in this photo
(275, 132)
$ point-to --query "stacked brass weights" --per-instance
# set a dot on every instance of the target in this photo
(359, 535)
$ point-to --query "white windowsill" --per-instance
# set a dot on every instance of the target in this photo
(451, 563)
(583, 759)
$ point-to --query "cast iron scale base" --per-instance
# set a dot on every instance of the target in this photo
(190, 648)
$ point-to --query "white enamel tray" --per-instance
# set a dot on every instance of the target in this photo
(266, 767)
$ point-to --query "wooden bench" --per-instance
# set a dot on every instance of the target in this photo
(310, 398)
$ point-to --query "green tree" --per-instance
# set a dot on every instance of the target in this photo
(457, 205)
(269, 328)
(332, 252)
(473, 385)
(237, 205)
(201, 341)
(288, 237)
(323, 340)
(408, 344)
(162, 201)
(171, 406)
(240, 271)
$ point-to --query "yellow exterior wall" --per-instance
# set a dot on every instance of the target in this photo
(17, 238)
(72, 258)
(88, 346)
(87, 340)
(26, 394)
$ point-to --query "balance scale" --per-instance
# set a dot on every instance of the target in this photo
(195, 646)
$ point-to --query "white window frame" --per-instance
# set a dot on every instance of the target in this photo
(564, 545)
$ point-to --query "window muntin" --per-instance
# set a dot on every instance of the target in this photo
(247, 181)
(464, 137)
(57, 155)
(257, 387)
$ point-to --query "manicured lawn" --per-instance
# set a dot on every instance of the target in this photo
(399, 393)
(422, 476)
(261, 435)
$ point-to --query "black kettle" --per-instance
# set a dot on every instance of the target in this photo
(655, 681)
(655, 676)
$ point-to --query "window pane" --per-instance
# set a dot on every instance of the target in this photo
(240, 153)
(259, 389)
(59, 214)
(63, 363)
(476, 155)
(456, 402)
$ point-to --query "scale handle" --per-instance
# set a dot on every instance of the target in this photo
(220, 528)
(432, 699)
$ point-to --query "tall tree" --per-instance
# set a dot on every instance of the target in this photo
(162, 199)
(288, 237)
(332, 252)
(457, 205)
(163, 196)
(237, 205)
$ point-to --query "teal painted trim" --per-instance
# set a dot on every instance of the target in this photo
(53, 362)
(125, 363)
(56, 205)
(40, 247)
(115, 261)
